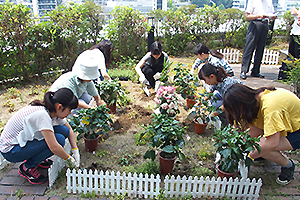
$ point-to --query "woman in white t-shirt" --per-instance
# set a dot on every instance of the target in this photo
(30, 137)
(294, 45)
(100, 54)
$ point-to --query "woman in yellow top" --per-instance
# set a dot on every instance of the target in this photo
(273, 114)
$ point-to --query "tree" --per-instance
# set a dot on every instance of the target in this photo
(127, 30)
(200, 3)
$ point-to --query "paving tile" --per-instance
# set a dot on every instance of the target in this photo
(27, 198)
(41, 198)
(12, 180)
(3, 197)
(16, 165)
(27, 183)
(12, 198)
(71, 198)
(55, 198)
(285, 190)
(13, 172)
(11, 190)
(34, 190)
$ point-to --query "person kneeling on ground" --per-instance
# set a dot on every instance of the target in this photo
(30, 136)
(151, 63)
(220, 81)
(269, 112)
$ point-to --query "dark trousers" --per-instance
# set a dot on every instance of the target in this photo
(150, 71)
(256, 39)
(294, 45)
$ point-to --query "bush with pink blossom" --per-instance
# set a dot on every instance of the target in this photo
(167, 100)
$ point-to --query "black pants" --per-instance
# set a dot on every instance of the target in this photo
(294, 47)
(150, 71)
(256, 38)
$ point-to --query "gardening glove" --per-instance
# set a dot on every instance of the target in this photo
(71, 162)
(210, 116)
(217, 123)
(158, 84)
(218, 157)
(76, 155)
(157, 76)
(243, 169)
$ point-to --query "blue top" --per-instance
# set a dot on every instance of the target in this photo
(216, 62)
(222, 87)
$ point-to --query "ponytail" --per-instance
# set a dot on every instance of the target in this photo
(217, 54)
(64, 96)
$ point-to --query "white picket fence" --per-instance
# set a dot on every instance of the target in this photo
(231, 55)
(145, 186)
(270, 57)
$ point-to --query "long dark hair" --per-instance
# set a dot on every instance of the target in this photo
(208, 69)
(64, 96)
(241, 105)
(202, 48)
(105, 46)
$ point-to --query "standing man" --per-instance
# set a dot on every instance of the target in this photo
(258, 12)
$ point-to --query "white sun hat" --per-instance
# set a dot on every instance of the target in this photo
(86, 66)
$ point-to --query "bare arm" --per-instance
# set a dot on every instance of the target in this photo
(253, 17)
(98, 100)
(139, 66)
(72, 137)
(53, 145)
(82, 104)
(105, 74)
(267, 144)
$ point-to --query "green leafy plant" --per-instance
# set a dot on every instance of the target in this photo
(91, 122)
(149, 167)
(186, 83)
(125, 159)
(111, 91)
(166, 135)
(12, 93)
(293, 74)
(234, 146)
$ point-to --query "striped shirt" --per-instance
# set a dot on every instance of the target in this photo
(70, 80)
(215, 62)
(26, 125)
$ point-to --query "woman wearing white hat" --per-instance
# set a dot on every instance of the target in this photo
(79, 80)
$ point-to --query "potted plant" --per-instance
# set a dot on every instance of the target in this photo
(167, 101)
(202, 111)
(90, 124)
(167, 136)
(112, 93)
(233, 146)
(186, 84)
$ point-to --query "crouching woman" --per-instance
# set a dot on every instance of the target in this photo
(273, 114)
(30, 137)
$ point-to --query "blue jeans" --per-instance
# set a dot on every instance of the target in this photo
(37, 150)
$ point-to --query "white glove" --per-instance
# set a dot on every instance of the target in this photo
(71, 162)
(157, 76)
(243, 169)
(142, 79)
(76, 155)
(210, 116)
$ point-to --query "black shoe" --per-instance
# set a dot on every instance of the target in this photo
(32, 175)
(243, 75)
(257, 75)
(286, 175)
(46, 164)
